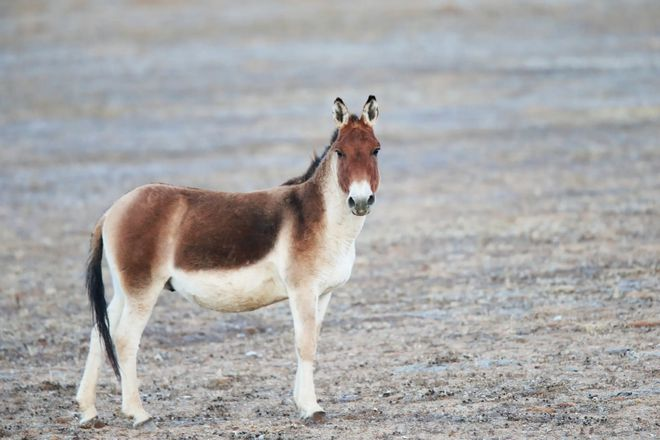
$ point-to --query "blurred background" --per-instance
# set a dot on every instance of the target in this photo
(506, 283)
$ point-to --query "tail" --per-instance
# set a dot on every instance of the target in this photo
(96, 293)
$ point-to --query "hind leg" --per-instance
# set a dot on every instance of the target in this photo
(137, 310)
(86, 395)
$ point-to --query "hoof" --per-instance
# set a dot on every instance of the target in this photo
(87, 418)
(318, 417)
(141, 421)
(315, 417)
(94, 422)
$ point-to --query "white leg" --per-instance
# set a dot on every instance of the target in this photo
(323, 302)
(304, 311)
(134, 317)
(86, 395)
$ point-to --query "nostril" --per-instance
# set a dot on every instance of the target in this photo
(351, 202)
(371, 200)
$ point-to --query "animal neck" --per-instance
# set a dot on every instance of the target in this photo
(341, 224)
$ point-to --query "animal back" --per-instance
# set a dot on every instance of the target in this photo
(227, 230)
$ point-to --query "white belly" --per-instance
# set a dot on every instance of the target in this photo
(234, 290)
(261, 284)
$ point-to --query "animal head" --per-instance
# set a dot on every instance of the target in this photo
(357, 147)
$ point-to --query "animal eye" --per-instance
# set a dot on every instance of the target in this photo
(340, 153)
(376, 151)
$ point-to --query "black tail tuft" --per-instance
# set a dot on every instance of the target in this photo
(96, 293)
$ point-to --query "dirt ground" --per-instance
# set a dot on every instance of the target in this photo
(506, 284)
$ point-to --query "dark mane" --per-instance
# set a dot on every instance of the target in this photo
(316, 161)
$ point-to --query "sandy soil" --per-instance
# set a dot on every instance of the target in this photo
(506, 285)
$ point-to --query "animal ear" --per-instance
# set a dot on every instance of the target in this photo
(370, 110)
(340, 112)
